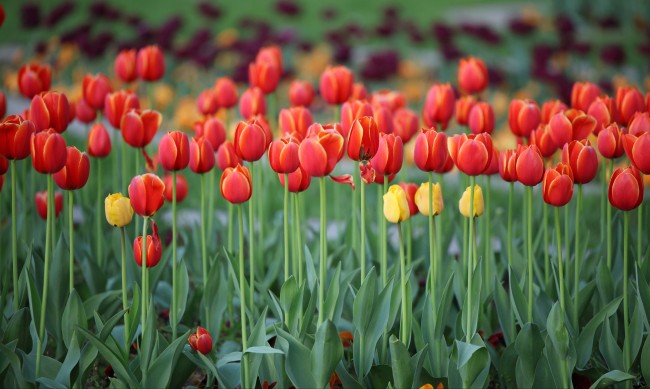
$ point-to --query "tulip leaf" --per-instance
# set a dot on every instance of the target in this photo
(475, 293)
(12, 359)
(610, 351)
(182, 289)
(645, 359)
(400, 359)
(504, 313)
(333, 293)
(161, 367)
(326, 353)
(586, 338)
(610, 378)
(111, 357)
(469, 364)
(529, 346)
(298, 361)
(636, 333)
(18, 329)
(311, 270)
(263, 350)
(71, 360)
(73, 317)
(346, 378)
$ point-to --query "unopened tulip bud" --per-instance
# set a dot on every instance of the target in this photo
(422, 199)
(396, 206)
(464, 203)
(118, 210)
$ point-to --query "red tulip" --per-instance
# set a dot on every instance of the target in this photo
(235, 185)
(639, 123)
(390, 155)
(481, 118)
(201, 341)
(207, 102)
(359, 92)
(636, 149)
(336, 84)
(34, 79)
(15, 135)
(363, 139)
(3, 105)
(83, 112)
(571, 125)
(202, 158)
(125, 66)
(625, 188)
(410, 190)
(583, 160)
(610, 141)
(226, 91)
(117, 104)
(508, 165)
(541, 137)
(295, 121)
(493, 168)
(601, 110)
(321, 150)
(523, 117)
(95, 88)
(74, 174)
(405, 124)
(266, 127)
(264, 75)
(473, 153)
(628, 102)
(463, 106)
(271, 54)
(384, 118)
(250, 141)
(583, 94)
(299, 180)
(50, 110)
(140, 126)
(227, 156)
(146, 194)
(557, 187)
(389, 99)
(430, 153)
(99, 142)
(439, 105)
(283, 155)
(529, 165)
(181, 187)
(154, 248)
(252, 103)
(150, 63)
(351, 111)
(301, 93)
(551, 108)
(472, 75)
(174, 151)
(212, 129)
(40, 199)
(49, 153)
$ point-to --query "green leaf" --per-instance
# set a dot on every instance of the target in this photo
(73, 316)
(609, 349)
(298, 361)
(14, 362)
(333, 294)
(113, 358)
(475, 294)
(586, 337)
(400, 360)
(326, 353)
(346, 378)
(473, 362)
(645, 360)
(636, 334)
(529, 346)
(18, 329)
(162, 367)
(71, 360)
(504, 313)
(263, 350)
(182, 289)
(613, 377)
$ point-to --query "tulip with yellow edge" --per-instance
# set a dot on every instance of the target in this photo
(428, 199)
(396, 210)
(119, 213)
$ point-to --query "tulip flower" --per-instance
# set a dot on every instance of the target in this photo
(422, 199)
(583, 94)
(571, 125)
(117, 104)
(212, 129)
(610, 141)
(523, 117)
(48, 150)
(320, 152)
(95, 88)
(359, 91)
(389, 99)
(270, 54)
(99, 142)
(411, 190)
(118, 210)
(250, 141)
(551, 108)
(472, 75)
(463, 107)
(430, 153)
(252, 103)
(15, 134)
(390, 155)
(83, 112)
(50, 110)
(140, 126)
(464, 204)
(301, 93)
(227, 156)
(601, 110)
(336, 84)
(541, 137)
(439, 105)
(481, 118)
(557, 186)
(125, 65)
(207, 102)
(529, 165)
(236, 186)
(174, 151)
(351, 111)
(628, 102)
(264, 75)
(201, 341)
(384, 118)
(40, 199)
(150, 63)
(181, 187)
(202, 158)
(639, 123)
(153, 248)
(146, 194)
(283, 155)
(75, 172)
(472, 153)
(34, 79)
(225, 90)
(396, 208)
(299, 180)
(295, 121)
(363, 139)
(507, 165)
(405, 124)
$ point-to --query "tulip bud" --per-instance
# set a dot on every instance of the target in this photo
(493, 167)
(295, 121)
(201, 155)
(529, 165)
(250, 141)
(336, 84)
(271, 54)
(150, 63)
(321, 150)
(226, 92)
(481, 118)
(124, 65)
(95, 88)
(473, 153)
(118, 103)
(40, 199)
(405, 124)
(422, 199)
(299, 180)
(283, 155)
(118, 210)
(523, 117)
(99, 142)
(639, 123)
(207, 103)
(388, 99)
(252, 103)
(636, 149)
(610, 142)
(363, 139)
(264, 75)
(140, 126)
(541, 137)
(430, 153)
(235, 185)
(628, 102)
(181, 187)
(174, 151)
(463, 107)
(227, 156)
(600, 109)
(464, 203)
(359, 92)
(15, 135)
(439, 105)
(201, 341)
(50, 110)
(301, 93)
(74, 174)
(551, 108)
(583, 160)
(410, 189)
(48, 150)
(557, 187)
(625, 189)
(396, 206)
(146, 194)
(351, 111)
(153, 247)
(384, 118)
(508, 165)
(34, 79)
(83, 112)
(472, 75)
(390, 155)
(212, 129)
(583, 94)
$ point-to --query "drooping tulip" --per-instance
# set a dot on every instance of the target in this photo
(74, 174)
(153, 246)
(150, 63)
(472, 75)
(146, 194)
(557, 186)
(95, 88)
(283, 155)
(125, 65)
(625, 188)
(481, 118)
(174, 151)
(15, 135)
(225, 90)
(202, 158)
(140, 126)
(227, 156)
(523, 117)
(363, 139)
(50, 110)
(252, 103)
(396, 207)
(430, 153)
(181, 187)
(201, 341)
(335, 85)
(583, 94)
(40, 200)
(212, 129)
(34, 79)
(439, 105)
(49, 152)
(295, 121)
(529, 165)
(321, 150)
(117, 104)
(583, 160)
(250, 141)
(610, 141)
(235, 185)
(301, 93)
(118, 210)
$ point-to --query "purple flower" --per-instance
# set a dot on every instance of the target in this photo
(30, 15)
(521, 27)
(287, 7)
(613, 54)
(58, 13)
(208, 10)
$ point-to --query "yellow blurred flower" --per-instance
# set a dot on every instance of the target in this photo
(422, 199)
(186, 113)
(118, 210)
(163, 96)
(463, 204)
(227, 37)
(67, 53)
(396, 206)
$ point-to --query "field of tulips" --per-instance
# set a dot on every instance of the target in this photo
(310, 233)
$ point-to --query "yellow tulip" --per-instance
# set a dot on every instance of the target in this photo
(463, 204)
(118, 210)
(396, 206)
(422, 199)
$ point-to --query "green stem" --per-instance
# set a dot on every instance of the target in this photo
(566, 237)
(577, 259)
(433, 265)
(470, 267)
(608, 167)
(123, 151)
(242, 295)
(603, 199)
(362, 257)
(355, 210)
(409, 243)
(639, 229)
(71, 233)
(509, 243)
(529, 231)
(626, 322)
(251, 241)
(560, 264)
(286, 227)
(174, 261)
(125, 301)
(384, 247)
(14, 235)
(230, 219)
(547, 264)
(301, 265)
(211, 203)
(46, 275)
(486, 234)
(404, 331)
(98, 218)
(204, 251)
(323, 254)
(145, 287)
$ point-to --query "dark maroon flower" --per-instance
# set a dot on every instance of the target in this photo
(443, 33)
(521, 27)
(287, 7)
(58, 13)
(613, 54)
(497, 340)
(329, 13)
(581, 381)
(108, 372)
(581, 48)
(609, 22)
(30, 15)
(342, 53)
(564, 25)
(164, 314)
(209, 10)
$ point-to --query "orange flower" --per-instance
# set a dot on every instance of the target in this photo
(321, 150)
(140, 126)
(124, 65)
(439, 105)
(583, 94)
(95, 88)
(283, 155)
(150, 63)
(430, 153)
(48, 150)
(472, 75)
(74, 174)
(15, 135)
(235, 185)
(523, 117)
(363, 139)
(557, 186)
(336, 84)
(118, 103)
(626, 188)
(201, 341)
(153, 245)
(174, 151)
(346, 338)
(34, 79)
(50, 110)
(146, 194)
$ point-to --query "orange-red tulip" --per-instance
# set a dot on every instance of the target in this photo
(117, 104)
(626, 188)
(201, 341)
(301, 93)
(174, 151)
(639, 123)
(389, 99)
(430, 153)
(363, 139)
(463, 106)
(212, 129)
(95, 88)
(140, 126)
(74, 174)
(295, 121)
(146, 194)
(439, 105)
(359, 92)
(601, 110)
(410, 190)
(636, 148)
(227, 156)
(493, 168)
(557, 187)
(541, 137)
(202, 158)
(264, 75)
(523, 117)
(154, 248)
(49, 152)
(384, 118)
(529, 165)
(351, 111)
(390, 155)
(207, 102)
(571, 125)
(124, 65)
(583, 94)
(508, 165)
(150, 63)
(50, 110)
(83, 112)
(235, 185)
(321, 150)
(473, 153)
(481, 118)
(226, 91)
(34, 79)
(99, 142)
(628, 102)
(283, 155)
(610, 141)
(299, 180)
(266, 127)
(40, 199)
(252, 103)
(271, 54)
(181, 187)
(336, 84)
(250, 141)
(551, 108)
(15, 135)
(583, 160)
(472, 75)
(405, 124)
